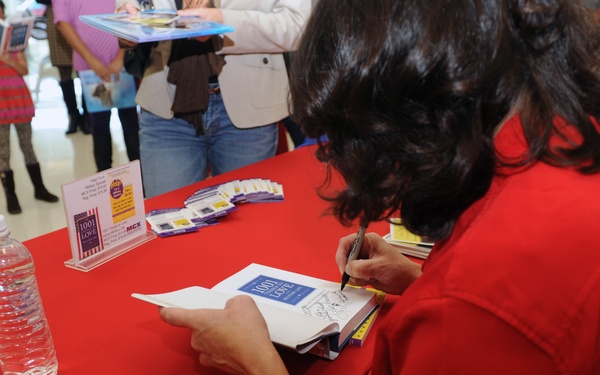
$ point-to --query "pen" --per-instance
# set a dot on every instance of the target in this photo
(355, 250)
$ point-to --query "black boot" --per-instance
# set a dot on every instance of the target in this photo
(40, 190)
(102, 151)
(12, 203)
(84, 119)
(68, 91)
(73, 119)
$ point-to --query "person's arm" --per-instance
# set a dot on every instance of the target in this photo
(276, 31)
(116, 65)
(380, 265)
(234, 339)
(71, 36)
(17, 61)
(446, 335)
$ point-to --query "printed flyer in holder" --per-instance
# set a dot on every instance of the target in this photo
(105, 215)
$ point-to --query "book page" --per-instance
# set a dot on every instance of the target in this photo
(286, 328)
(302, 294)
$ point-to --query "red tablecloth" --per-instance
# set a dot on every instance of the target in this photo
(98, 328)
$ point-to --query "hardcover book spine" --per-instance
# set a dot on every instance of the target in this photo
(360, 335)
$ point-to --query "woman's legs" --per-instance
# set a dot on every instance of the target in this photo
(24, 133)
(6, 174)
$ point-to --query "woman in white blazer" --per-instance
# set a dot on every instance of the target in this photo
(246, 101)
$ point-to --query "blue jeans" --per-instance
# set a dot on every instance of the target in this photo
(173, 156)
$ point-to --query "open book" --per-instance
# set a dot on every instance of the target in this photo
(303, 313)
(154, 25)
(14, 33)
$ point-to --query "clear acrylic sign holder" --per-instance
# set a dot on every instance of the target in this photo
(105, 216)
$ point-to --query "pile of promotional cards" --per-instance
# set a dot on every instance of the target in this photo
(206, 205)
(408, 243)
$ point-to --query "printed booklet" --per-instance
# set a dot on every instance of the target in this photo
(154, 25)
(102, 96)
(14, 33)
(303, 313)
(408, 243)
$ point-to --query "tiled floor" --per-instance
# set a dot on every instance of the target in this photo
(63, 158)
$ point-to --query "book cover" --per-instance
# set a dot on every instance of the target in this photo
(102, 96)
(15, 33)
(408, 243)
(154, 26)
(303, 313)
(398, 232)
(4, 33)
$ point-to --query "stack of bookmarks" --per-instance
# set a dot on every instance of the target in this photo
(205, 206)
(408, 243)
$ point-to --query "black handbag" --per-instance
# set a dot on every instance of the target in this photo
(45, 2)
(136, 59)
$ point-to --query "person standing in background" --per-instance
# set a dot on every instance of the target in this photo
(16, 107)
(97, 50)
(236, 105)
(61, 56)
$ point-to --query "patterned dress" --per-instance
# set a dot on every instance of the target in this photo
(16, 105)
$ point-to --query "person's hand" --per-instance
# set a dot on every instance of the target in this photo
(379, 264)
(210, 14)
(129, 8)
(235, 339)
(100, 69)
(5, 58)
(115, 68)
(126, 44)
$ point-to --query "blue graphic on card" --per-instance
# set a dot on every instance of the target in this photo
(277, 290)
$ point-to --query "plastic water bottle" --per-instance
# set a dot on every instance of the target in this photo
(26, 345)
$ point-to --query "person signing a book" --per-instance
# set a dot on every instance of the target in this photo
(478, 121)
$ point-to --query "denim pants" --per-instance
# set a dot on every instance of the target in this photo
(173, 156)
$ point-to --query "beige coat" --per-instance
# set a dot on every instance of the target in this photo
(254, 82)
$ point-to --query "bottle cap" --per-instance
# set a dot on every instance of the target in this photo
(4, 231)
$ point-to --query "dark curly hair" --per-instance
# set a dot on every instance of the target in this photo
(410, 93)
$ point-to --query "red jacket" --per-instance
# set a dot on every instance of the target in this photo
(515, 289)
